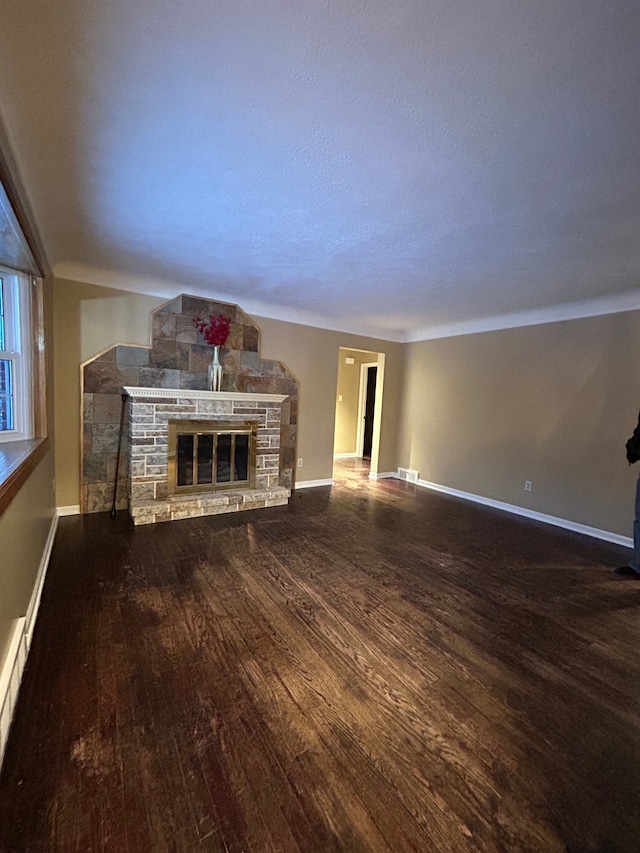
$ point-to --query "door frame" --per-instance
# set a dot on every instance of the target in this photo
(362, 401)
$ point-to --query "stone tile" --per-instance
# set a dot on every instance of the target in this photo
(236, 338)
(163, 327)
(257, 495)
(219, 510)
(105, 438)
(156, 470)
(170, 355)
(156, 459)
(87, 408)
(256, 366)
(185, 331)
(287, 456)
(132, 355)
(251, 338)
(289, 436)
(87, 438)
(142, 492)
(174, 408)
(137, 468)
(193, 381)
(229, 382)
(154, 377)
(123, 471)
(243, 318)
(272, 433)
(99, 497)
(107, 378)
(173, 307)
(287, 385)
(146, 517)
(214, 499)
(94, 468)
(200, 356)
(145, 444)
(256, 385)
(161, 491)
(107, 356)
(214, 407)
(107, 408)
(193, 306)
(196, 512)
(286, 477)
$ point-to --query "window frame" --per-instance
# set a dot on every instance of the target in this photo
(19, 334)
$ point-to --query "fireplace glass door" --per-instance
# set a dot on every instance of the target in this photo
(208, 455)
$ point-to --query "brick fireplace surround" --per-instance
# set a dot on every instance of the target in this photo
(150, 410)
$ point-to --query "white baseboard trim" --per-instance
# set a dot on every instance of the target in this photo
(67, 510)
(595, 532)
(14, 664)
(345, 455)
(10, 678)
(382, 475)
(34, 604)
(311, 484)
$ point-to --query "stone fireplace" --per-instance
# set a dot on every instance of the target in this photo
(212, 474)
(175, 364)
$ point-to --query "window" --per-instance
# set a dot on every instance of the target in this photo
(16, 409)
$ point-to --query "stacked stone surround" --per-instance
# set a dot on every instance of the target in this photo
(178, 359)
(149, 413)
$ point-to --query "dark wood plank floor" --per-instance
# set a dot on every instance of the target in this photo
(374, 667)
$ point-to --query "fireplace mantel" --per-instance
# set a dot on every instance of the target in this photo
(183, 393)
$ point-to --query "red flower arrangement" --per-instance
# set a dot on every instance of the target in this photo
(215, 330)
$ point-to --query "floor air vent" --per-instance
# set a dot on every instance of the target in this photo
(408, 475)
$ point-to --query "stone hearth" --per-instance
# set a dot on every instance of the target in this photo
(150, 410)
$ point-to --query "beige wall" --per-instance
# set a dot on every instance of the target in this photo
(87, 319)
(25, 524)
(24, 527)
(348, 388)
(553, 404)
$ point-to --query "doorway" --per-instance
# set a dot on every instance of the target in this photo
(366, 409)
(358, 407)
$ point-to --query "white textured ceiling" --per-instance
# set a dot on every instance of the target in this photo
(397, 166)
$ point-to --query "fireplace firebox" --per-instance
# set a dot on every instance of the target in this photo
(207, 456)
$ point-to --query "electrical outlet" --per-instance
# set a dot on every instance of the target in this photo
(300, 462)
(339, 398)
(528, 485)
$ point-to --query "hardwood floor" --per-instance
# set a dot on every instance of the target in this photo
(374, 667)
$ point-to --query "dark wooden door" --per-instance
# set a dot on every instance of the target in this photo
(372, 373)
